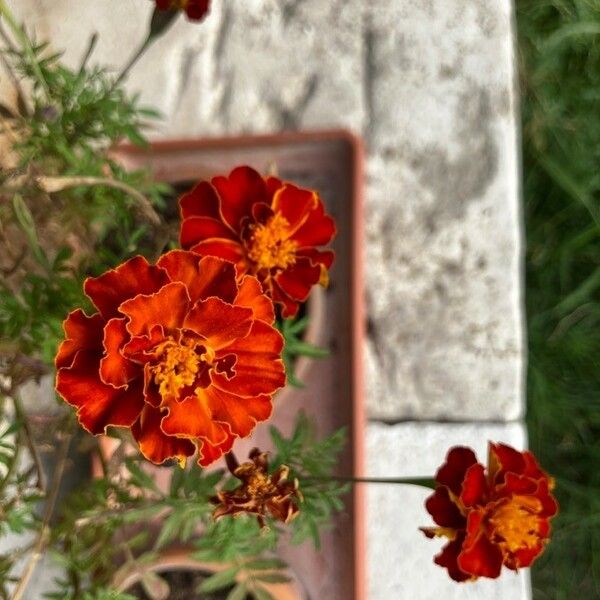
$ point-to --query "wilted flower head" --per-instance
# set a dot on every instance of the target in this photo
(260, 494)
(494, 518)
(267, 227)
(195, 9)
(182, 352)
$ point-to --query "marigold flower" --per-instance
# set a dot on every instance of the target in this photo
(497, 518)
(267, 227)
(260, 493)
(182, 352)
(195, 9)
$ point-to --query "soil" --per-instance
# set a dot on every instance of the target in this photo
(183, 585)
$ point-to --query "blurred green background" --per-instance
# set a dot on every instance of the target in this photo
(559, 54)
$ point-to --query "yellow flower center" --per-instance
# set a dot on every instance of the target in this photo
(260, 485)
(177, 365)
(269, 246)
(516, 523)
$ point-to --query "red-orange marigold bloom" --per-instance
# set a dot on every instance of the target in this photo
(195, 9)
(267, 227)
(497, 518)
(182, 352)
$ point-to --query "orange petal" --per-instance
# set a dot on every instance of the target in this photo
(207, 453)
(115, 369)
(81, 333)
(238, 193)
(131, 278)
(167, 307)
(196, 229)
(259, 368)
(218, 322)
(193, 418)
(251, 295)
(203, 276)
(480, 557)
(200, 201)
(226, 249)
(295, 204)
(154, 444)
(241, 414)
(99, 405)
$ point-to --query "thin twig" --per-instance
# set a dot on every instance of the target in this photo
(44, 533)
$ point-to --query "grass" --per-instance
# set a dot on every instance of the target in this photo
(559, 51)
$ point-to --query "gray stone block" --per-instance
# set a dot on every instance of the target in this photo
(399, 557)
(430, 86)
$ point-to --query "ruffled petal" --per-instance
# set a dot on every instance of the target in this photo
(250, 295)
(318, 229)
(474, 486)
(99, 405)
(115, 369)
(480, 557)
(259, 368)
(448, 558)
(218, 322)
(289, 306)
(444, 511)
(207, 453)
(131, 278)
(225, 249)
(196, 229)
(202, 276)
(238, 193)
(502, 459)
(452, 472)
(192, 418)
(241, 414)
(154, 444)
(167, 307)
(201, 201)
(81, 333)
(317, 257)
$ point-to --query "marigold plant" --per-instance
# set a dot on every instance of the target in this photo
(182, 352)
(492, 518)
(196, 10)
(267, 227)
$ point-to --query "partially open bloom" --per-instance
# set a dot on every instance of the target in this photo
(195, 9)
(494, 518)
(267, 227)
(260, 494)
(182, 352)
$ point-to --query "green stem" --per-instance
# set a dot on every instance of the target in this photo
(132, 61)
(26, 47)
(420, 481)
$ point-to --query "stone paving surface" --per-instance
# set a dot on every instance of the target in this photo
(400, 558)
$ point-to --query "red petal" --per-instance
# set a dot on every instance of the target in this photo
(238, 193)
(443, 510)
(295, 204)
(207, 453)
(452, 472)
(259, 368)
(250, 295)
(202, 276)
(448, 558)
(225, 249)
(167, 307)
(218, 322)
(115, 369)
(516, 484)
(480, 557)
(131, 278)
(241, 414)
(81, 333)
(297, 280)
(273, 184)
(200, 201)
(140, 349)
(192, 418)
(197, 9)
(317, 257)
(99, 405)
(289, 307)
(501, 459)
(523, 557)
(196, 229)
(318, 229)
(474, 487)
(154, 444)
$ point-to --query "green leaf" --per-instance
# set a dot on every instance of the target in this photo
(261, 564)
(239, 592)
(219, 580)
(261, 593)
(272, 577)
